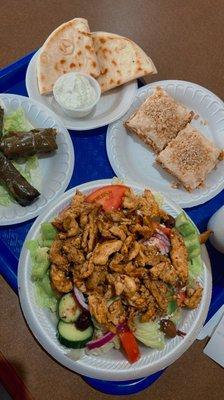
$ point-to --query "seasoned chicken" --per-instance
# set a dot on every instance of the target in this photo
(130, 200)
(179, 256)
(60, 279)
(97, 277)
(112, 258)
(98, 308)
(164, 271)
(118, 231)
(73, 254)
(195, 298)
(103, 251)
(56, 255)
(134, 251)
(157, 291)
(116, 313)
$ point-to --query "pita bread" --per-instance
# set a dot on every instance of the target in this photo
(69, 48)
(120, 60)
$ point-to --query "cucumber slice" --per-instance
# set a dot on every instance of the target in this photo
(68, 309)
(70, 336)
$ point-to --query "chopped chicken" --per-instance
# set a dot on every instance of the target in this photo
(116, 313)
(111, 253)
(164, 271)
(157, 291)
(56, 256)
(98, 307)
(179, 256)
(134, 250)
(193, 300)
(130, 201)
(104, 250)
(118, 232)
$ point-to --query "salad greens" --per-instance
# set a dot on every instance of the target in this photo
(150, 334)
(16, 121)
(29, 168)
(39, 252)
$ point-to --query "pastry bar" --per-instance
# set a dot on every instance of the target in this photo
(189, 157)
(159, 119)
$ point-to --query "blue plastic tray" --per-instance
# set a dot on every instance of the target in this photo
(91, 164)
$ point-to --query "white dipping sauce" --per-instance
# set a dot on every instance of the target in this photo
(74, 91)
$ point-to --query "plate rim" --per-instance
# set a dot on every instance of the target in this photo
(69, 172)
(181, 203)
(73, 127)
(122, 374)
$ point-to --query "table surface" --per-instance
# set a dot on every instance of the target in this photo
(185, 40)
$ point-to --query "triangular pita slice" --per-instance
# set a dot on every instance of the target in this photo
(69, 48)
(120, 60)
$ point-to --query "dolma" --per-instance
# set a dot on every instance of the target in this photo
(25, 144)
(1, 121)
(16, 184)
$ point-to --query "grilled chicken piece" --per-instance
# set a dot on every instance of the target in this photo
(194, 299)
(56, 256)
(159, 293)
(116, 313)
(179, 256)
(118, 232)
(130, 200)
(203, 237)
(98, 307)
(104, 250)
(165, 271)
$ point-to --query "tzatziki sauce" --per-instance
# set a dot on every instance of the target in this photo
(74, 91)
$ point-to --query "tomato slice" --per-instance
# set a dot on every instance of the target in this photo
(165, 230)
(110, 197)
(130, 345)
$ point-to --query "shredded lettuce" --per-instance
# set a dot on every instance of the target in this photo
(150, 334)
(40, 259)
(5, 197)
(16, 121)
(40, 263)
(48, 231)
(195, 267)
(48, 234)
(44, 299)
(176, 316)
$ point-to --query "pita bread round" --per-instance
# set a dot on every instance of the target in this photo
(69, 48)
(120, 60)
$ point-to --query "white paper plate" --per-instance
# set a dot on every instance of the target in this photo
(55, 169)
(113, 365)
(112, 105)
(131, 159)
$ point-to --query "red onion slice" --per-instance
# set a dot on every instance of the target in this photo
(101, 341)
(80, 299)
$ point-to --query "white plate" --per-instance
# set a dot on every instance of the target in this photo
(112, 105)
(113, 365)
(55, 170)
(131, 159)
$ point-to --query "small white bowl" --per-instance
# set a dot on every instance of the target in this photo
(216, 224)
(78, 112)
